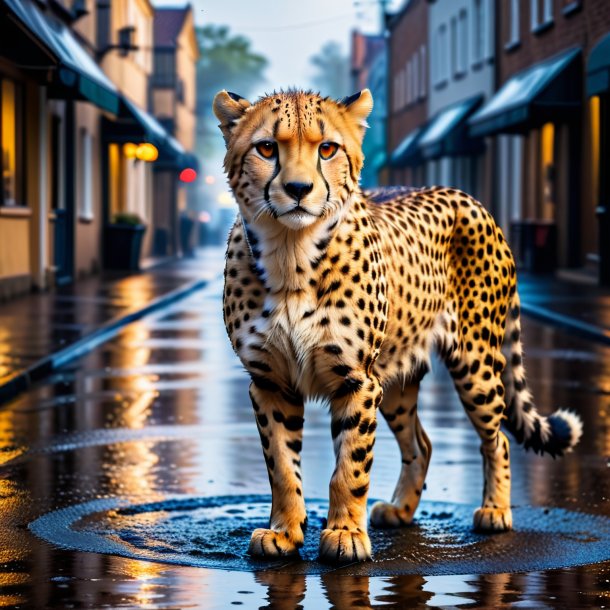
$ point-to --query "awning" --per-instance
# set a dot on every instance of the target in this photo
(74, 69)
(598, 68)
(547, 91)
(407, 152)
(141, 124)
(134, 124)
(447, 132)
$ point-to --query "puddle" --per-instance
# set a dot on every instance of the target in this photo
(213, 532)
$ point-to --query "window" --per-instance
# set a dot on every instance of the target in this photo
(86, 186)
(548, 11)
(442, 52)
(416, 77)
(11, 137)
(408, 87)
(513, 38)
(478, 31)
(570, 6)
(534, 17)
(462, 50)
(455, 43)
(422, 71)
(164, 72)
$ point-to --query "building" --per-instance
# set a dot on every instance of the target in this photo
(173, 102)
(77, 142)
(549, 120)
(369, 70)
(49, 225)
(461, 57)
(408, 89)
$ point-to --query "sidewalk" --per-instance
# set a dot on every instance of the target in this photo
(40, 332)
(576, 307)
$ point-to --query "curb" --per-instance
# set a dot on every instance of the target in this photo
(584, 329)
(23, 380)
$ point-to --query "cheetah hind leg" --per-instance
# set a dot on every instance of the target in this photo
(482, 394)
(400, 411)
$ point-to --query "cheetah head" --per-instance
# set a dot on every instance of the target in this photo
(293, 158)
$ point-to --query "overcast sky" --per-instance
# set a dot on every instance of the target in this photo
(288, 32)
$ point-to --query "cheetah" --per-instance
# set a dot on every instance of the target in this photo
(339, 294)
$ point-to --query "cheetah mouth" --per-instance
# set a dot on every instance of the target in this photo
(296, 212)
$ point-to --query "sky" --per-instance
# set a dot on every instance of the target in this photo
(289, 32)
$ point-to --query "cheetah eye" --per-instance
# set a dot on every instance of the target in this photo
(267, 149)
(327, 150)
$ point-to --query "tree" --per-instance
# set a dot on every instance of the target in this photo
(227, 62)
(332, 71)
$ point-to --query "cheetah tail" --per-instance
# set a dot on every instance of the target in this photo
(555, 434)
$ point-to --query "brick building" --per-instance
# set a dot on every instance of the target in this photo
(408, 90)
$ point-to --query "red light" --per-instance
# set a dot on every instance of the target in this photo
(188, 175)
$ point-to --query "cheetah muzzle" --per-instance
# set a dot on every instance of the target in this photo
(342, 294)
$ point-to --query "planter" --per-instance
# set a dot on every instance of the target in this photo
(122, 246)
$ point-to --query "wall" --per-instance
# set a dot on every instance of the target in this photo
(186, 57)
(583, 28)
(130, 73)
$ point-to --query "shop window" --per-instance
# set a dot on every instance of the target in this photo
(547, 157)
(594, 111)
(12, 144)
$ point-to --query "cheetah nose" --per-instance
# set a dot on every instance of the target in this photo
(298, 190)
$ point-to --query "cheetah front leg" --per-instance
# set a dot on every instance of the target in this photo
(353, 411)
(280, 424)
(399, 408)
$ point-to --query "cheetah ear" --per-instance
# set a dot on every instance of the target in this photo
(229, 108)
(359, 106)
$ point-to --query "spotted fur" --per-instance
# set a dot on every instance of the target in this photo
(337, 293)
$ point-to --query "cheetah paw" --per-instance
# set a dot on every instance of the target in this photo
(269, 543)
(386, 515)
(344, 546)
(493, 519)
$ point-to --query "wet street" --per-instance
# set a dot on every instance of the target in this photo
(133, 478)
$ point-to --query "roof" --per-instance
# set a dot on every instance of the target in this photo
(168, 24)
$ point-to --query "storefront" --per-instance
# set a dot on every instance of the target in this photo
(540, 108)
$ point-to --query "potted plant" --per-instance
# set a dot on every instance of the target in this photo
(123, 242)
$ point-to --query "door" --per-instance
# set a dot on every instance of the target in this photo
(62, 193)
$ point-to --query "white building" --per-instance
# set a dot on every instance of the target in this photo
(461, 56)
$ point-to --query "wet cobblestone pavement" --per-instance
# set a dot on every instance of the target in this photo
(162, 412)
